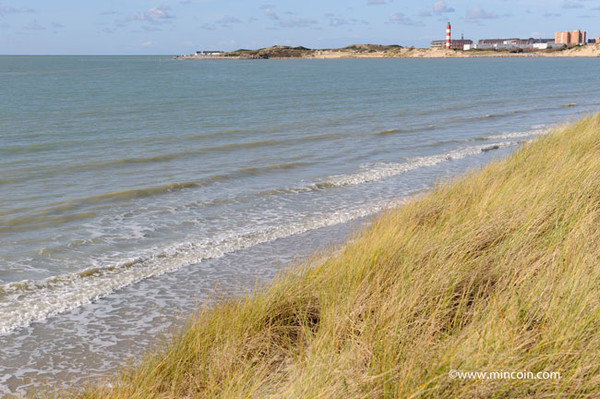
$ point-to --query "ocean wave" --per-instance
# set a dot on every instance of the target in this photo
(382, 170)
(516, 135)
(415, 129)
(25, 302)
(34, 147)
(67, 211)
(28, 301)
(260, 143)
(254, 171)
(117, 163)
(32, 222)
(485, 116)
(538, 130)
(61, 212)
(170, 157)
(126, 161)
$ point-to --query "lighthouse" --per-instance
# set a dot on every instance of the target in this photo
(448, 41)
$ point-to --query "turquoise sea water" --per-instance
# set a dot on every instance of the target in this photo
(131, 186)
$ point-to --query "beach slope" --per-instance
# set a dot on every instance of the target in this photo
(494, 272)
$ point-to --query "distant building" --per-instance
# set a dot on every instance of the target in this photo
(574, 37)
(543, 40)
(454, 44)
(562, 37)
(496, 41)
(513, 41)
(461, 44)
(578, 37)
(546, 45)
(209, 52)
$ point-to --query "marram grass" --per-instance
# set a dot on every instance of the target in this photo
(498, 271)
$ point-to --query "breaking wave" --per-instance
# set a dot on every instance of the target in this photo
(382, 170)
(29, 301)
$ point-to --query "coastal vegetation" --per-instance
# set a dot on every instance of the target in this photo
(495, 271)
(395, 51)
(303, 52)
(271, 52)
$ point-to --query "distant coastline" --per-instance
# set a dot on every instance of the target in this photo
(388, 51)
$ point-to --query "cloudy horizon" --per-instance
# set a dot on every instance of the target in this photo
(184, 26)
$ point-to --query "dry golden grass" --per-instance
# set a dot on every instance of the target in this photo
(499, 270)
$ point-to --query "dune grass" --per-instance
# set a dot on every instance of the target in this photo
(496, 271)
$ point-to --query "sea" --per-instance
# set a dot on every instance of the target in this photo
(133, 189)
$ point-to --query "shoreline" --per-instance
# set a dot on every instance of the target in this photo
(470, 277)
(376, 119)
(377, 51)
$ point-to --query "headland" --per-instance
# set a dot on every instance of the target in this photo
(389, 51)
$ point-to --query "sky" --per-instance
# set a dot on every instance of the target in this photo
(176, 27)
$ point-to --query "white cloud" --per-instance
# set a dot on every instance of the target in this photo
(297, 23)
(440, 7)
(571, 4)
(478, 13)
(337, 22)
(270, 13)
(155, 14)
(294, 22)
(208, 27)
(228, 19)
(402, 19)
(12, 10)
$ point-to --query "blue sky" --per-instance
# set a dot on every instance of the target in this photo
(184, 26)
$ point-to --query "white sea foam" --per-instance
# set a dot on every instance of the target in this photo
(382, 170)
(30, 301)
(540, 131)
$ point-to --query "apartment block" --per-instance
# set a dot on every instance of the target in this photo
(574, 37)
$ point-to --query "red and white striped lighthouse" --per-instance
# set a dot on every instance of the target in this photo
(448, 41)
